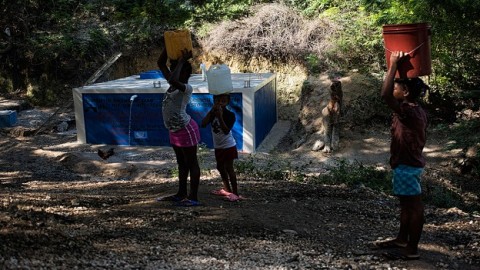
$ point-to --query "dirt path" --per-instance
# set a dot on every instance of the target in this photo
(61, 206)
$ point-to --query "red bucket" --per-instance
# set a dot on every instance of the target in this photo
(413, 39)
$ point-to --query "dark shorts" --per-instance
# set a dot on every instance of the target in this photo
(226, 154)
(406, 180)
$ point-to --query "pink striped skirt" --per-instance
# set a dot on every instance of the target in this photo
(187, 136)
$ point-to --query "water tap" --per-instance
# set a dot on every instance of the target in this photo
(204, 69)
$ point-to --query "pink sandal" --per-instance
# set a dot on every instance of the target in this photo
(233, 198)
(220, 192)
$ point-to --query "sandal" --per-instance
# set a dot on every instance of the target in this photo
(169, 198)
(220, 192)
(398, 255)
(387, 244)
(233, 198)
(188, 203)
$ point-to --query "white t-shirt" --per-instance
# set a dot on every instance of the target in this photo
(174, 108)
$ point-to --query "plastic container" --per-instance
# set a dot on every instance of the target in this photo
(413, 39)
(176, 41)
(8, 118)
(151, 74)
(219, 80)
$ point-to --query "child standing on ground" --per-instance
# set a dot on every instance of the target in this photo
(222, 120)
(183, 130)
(331, 117)
(408, 134)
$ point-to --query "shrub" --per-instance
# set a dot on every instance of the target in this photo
(357, 174)
(273, 169)
(274, 32)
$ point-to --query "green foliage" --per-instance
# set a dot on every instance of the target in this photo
(357, 41)
(366, 110)
(218, 10)
(311, 8)
(353, 175)
(443, 197)
(456, 48)
(274, 169)
(98, 40)
(48, 33)
(357, 174)
(250, 168)
(455, 38)
(461, 133)
(6, 86)
(462, 137)
(44, 91)
(202, 154)
(246, 166)
(313, 62)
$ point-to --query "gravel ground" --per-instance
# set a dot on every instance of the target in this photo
(62, 207)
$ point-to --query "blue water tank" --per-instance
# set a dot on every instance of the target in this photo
(151, 74)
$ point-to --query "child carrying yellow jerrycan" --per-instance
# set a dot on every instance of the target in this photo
(177, 41)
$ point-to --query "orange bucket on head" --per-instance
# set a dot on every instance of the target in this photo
(413, 39)
(176, 41)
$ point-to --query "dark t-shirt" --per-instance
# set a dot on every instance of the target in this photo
(220, 139)
(408, 136)
(228, 119)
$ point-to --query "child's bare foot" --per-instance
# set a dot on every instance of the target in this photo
(220, 192)
(402, 254)
(387, 244)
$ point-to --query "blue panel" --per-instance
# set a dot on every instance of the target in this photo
(265, 111)
(107, 119)
(113, 119)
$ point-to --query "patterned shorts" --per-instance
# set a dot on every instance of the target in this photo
(406, 180)
(187, 136)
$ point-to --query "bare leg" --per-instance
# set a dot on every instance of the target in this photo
(222, 169)
(232, 176)
(335, 138)
(328, 138)
(192, 167)
(402, 236)
(182, 172)
(416, 219)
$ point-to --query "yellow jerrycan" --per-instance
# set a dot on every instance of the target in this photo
(176, 41)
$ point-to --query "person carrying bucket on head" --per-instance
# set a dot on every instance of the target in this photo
(408, 133)
(221, 121)
(183, 130)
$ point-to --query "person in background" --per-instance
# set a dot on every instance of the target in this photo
(221, 121)
(183, 130)
(331, 119)
(408, 137)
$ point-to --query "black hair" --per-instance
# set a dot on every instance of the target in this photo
(416, 87)
(336, 85)
(187, 67)
(336, 90)
(215, 97)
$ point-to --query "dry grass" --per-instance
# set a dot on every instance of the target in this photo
(274, 32)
